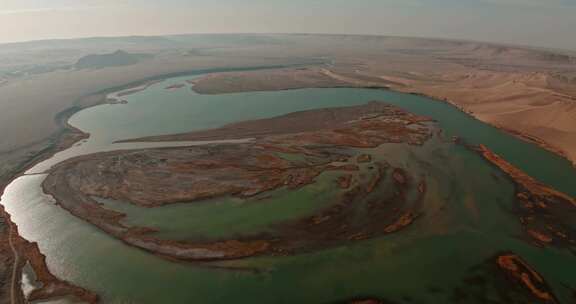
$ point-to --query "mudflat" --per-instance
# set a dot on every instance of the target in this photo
(320, 141)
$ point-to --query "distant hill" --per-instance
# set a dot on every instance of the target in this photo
(118, 58)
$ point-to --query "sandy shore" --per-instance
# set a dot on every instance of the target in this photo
(523, 91)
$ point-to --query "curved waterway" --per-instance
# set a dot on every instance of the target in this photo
(466, 219)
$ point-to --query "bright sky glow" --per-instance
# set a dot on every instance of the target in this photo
(549, 23)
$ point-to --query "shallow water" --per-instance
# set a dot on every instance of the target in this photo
(226, 217)
(465, 219)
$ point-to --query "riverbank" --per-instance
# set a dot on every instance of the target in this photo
(451, 93)
(10, 262)
(25, 251)
(545, 213)
(403, 220)
(18, 161)
(22, 253)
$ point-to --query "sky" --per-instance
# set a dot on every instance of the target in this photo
(548, 23)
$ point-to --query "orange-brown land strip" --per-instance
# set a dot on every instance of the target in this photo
(247, 170)
(528, 92)
(521, 273)
(51, 287)
(545, 213)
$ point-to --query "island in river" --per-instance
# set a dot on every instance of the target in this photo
(289, 151)
(340, 146)
(345, 176)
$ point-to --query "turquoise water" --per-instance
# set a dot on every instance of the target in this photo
(229, 217)
(157, 111)
(464, 220)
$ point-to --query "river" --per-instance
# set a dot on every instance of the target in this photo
(465, 218)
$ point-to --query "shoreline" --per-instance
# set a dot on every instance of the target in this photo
(539, 207)
(285, 174)
(51, 286)
(539, 142)
(68, 135)
(340, 81)
(518, 134)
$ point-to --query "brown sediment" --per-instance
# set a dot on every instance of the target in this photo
(331, 124)
(479, 91)
(175, 175)
(399, 176)
(522, 273)
(403, 221)
(422, 186)
(344, 181)
(531, 99)
(10, 261)
(541, 237)
(68, 138)
(175, 86)
(545, 213)
(376, 176)
(504, 278)
(51, 286)
(329, 227)
(345, 167)
(530, 184)
(27, 251)
(364, 158)
(387, 214)
(191, 174)
(156, 177)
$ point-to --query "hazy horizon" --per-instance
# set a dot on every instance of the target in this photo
(522, 22)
